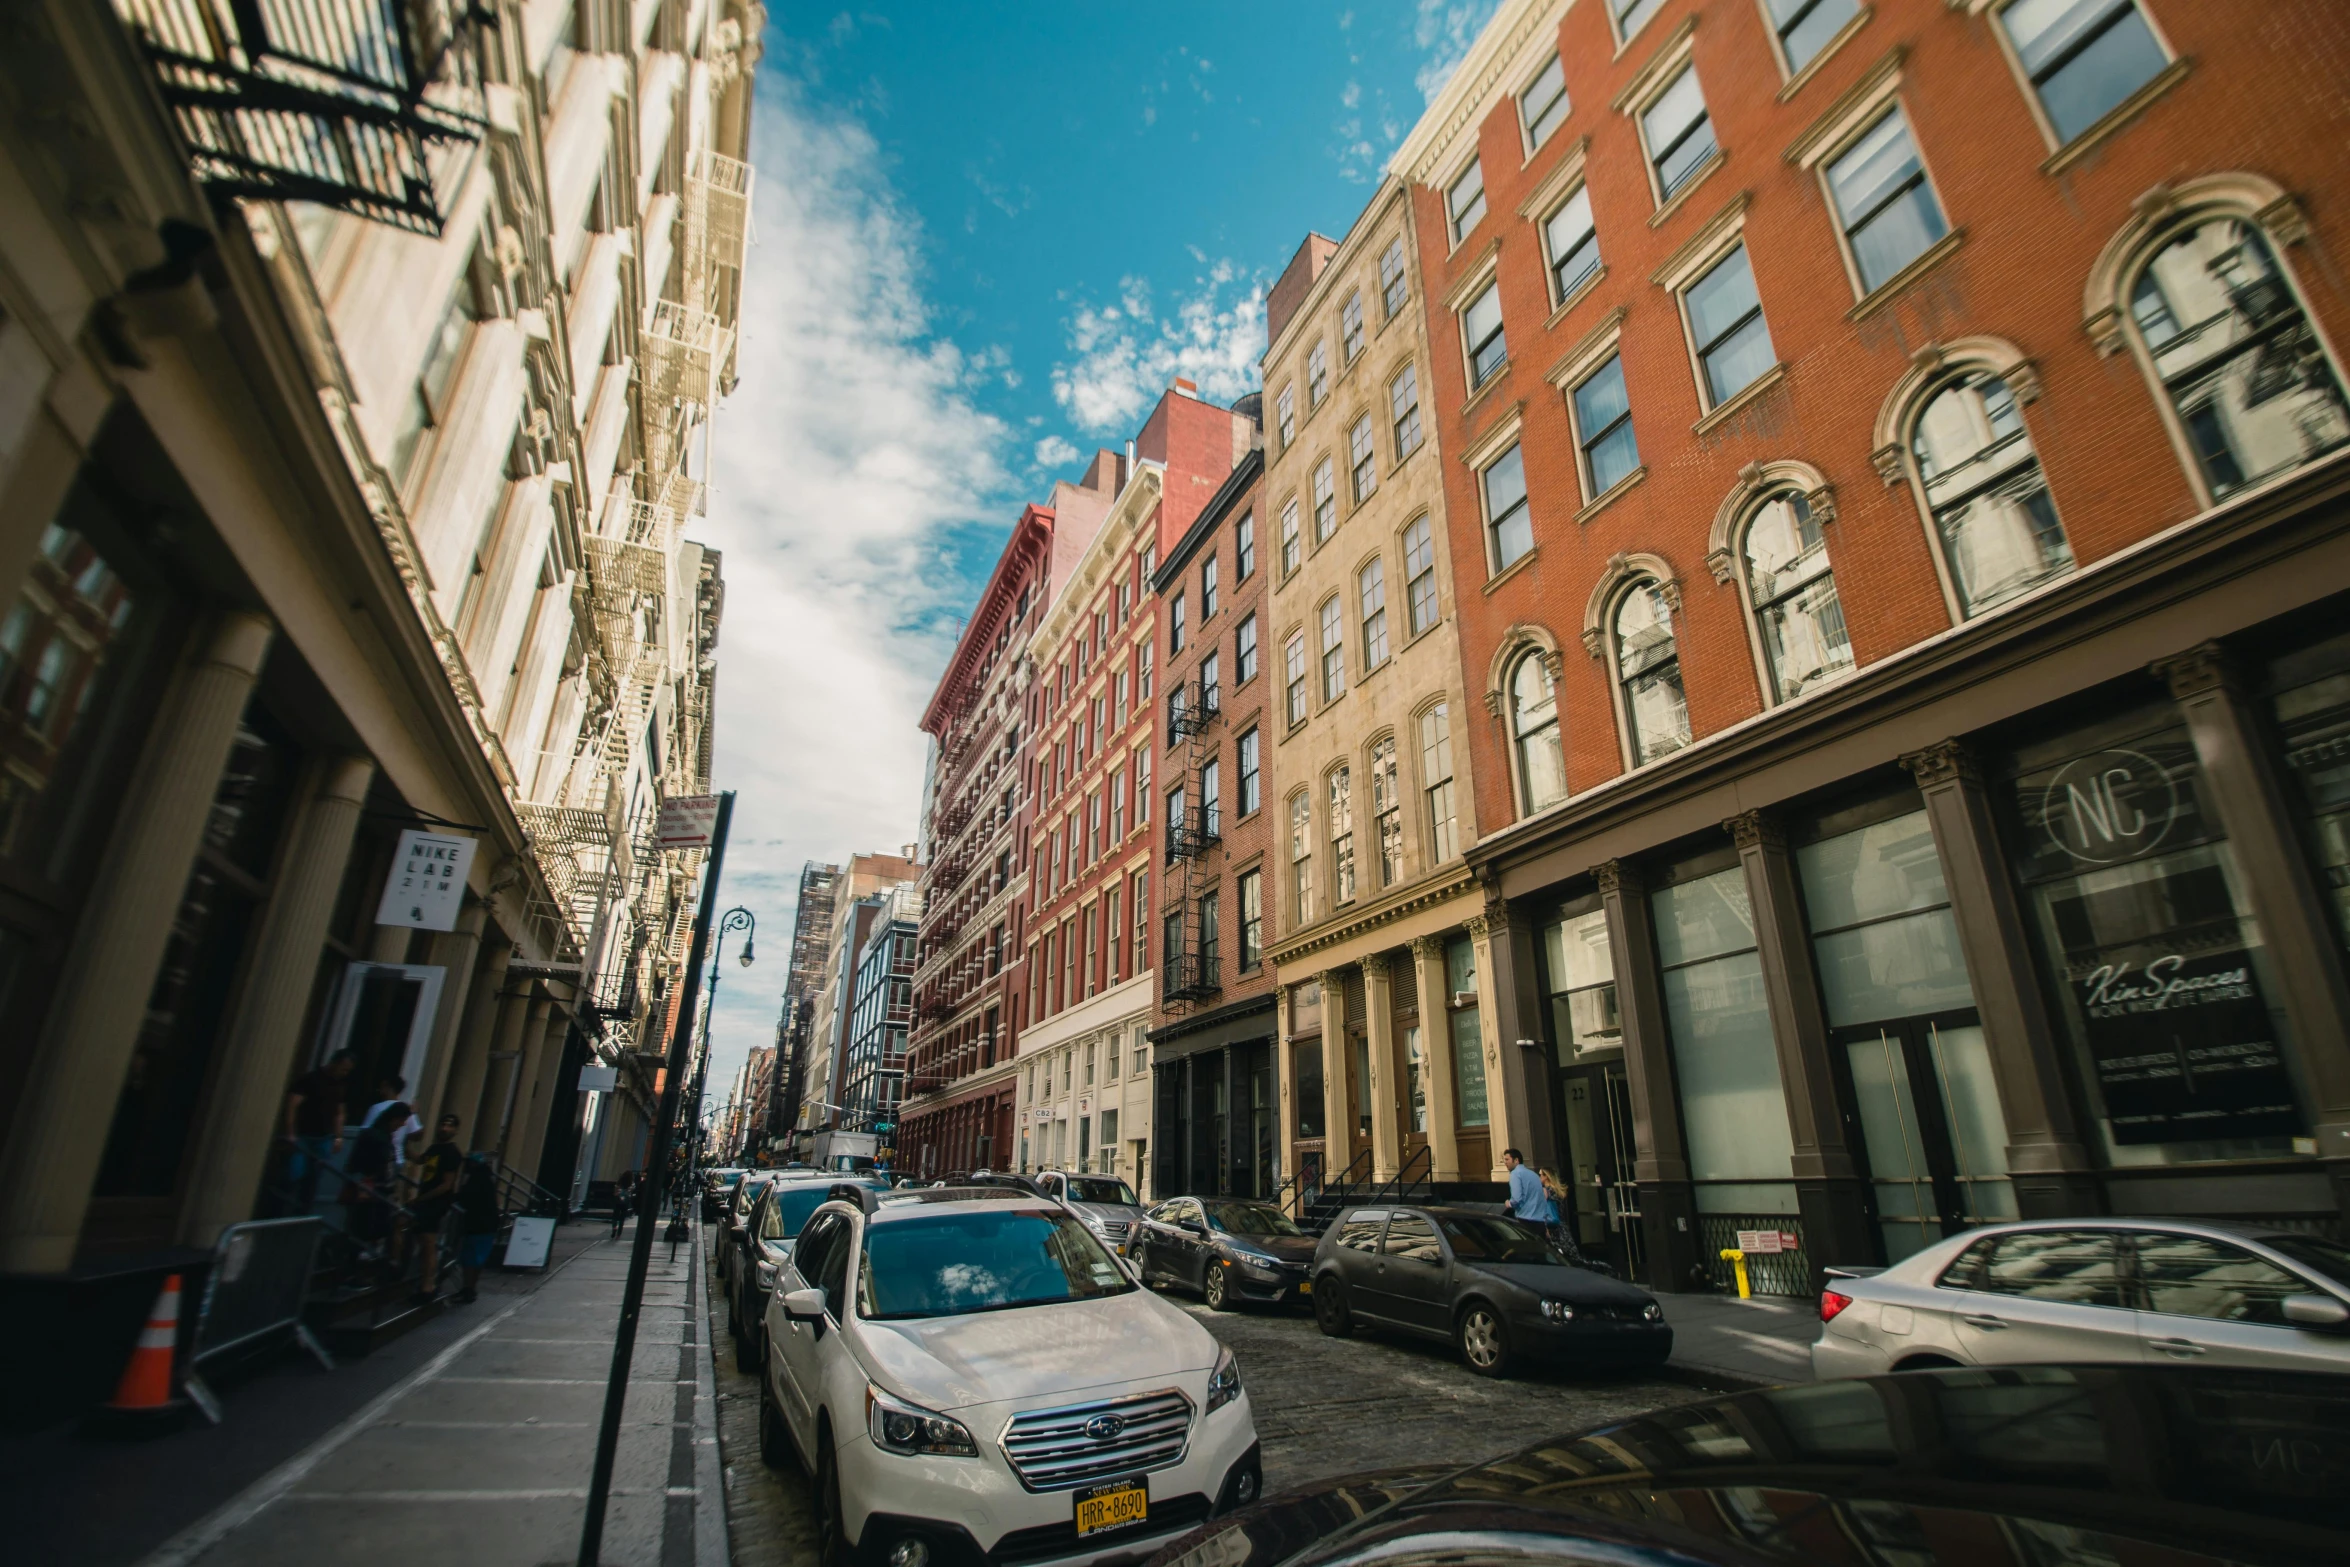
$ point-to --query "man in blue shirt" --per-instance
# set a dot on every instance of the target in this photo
(1527, 1199)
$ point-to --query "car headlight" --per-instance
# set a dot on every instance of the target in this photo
(1558, 1311)
(1263, 1268)
(1652, 1312)
(904, 1428)
(1224, 1381)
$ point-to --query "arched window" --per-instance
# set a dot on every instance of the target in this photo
(1301, 858)
(2246, 375)
(1794, 595)
(1991, 507)
(1534, 728)
(1648, 667)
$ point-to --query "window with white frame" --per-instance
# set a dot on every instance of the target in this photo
(1632, 15)
(1403, 405)
(1534, 732)
(1465, 201)
(1301, 857)
(1371, 591)
(1142, 786)
(1419, 570)
(1508, 522)
(1362, 459)
(1317, 374)
(1436, 782)
(1678, 132)
(1207, 590)
(1481, 335)
(1603, 427)
(1118, 806)
(1993, 515)
(1333, 621)
(1793, 591)
(1244, 650)
(1144, 653)
(1648, 671)
(1726, 323)
(1211, 796)
(1393, 290)
(1285, 415)
(1293, 674)
(1387, 810)
(1118, 699)
(1350, 327)
(1572, 244)
(2248, 379)
(1251, 774)
(1177, 631)
(2082, 57)
(1244, 547)
(1342, 836)
(1805, 26)
(1211, 683)
(1325, 500)
(1291, 545)
(1542, 107)
(1887, 208)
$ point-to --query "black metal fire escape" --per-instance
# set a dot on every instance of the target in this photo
(1189, 967)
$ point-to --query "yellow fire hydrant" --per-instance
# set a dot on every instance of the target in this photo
(1737, 1259)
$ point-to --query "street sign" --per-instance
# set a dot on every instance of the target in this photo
(685, 822)
(1767, 1243)
(427, 882)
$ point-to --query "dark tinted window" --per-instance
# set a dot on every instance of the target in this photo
(2080, 1266)
(2190, 1276)
(1361, 1231)
(1477, 1238)
(2327, 1259)
(815, 1248)
(1251, 1218)
(832, 1274)
(789, 1208)
(1412, 1237)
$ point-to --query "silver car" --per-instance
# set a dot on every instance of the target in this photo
(1106, 1204)
(2151, 1291)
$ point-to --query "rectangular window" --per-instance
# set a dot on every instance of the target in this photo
(1371, 585)
(1603, 428)
(1207, 590)
(1419, 569)
(1679, 134)
(1317, 375)
(2083, 56)
(1468, 1045)
(1244, 651)
(1387, 811)
(1177, 799)
(1092, 952)
(1342, 837)
(1093, 827)
(1211, 683)
(1805, 26)
(1301, 857)
(1333, 651)
(1285, 415)
(1465, 202)
(1436, 775)
(1726, 319)
(1306, 1055)
(1888, 210)
(1118, 698)
(1291, 545)
(1112, 939)
(1211, 798)
(1211, 936)
(1542, 107)
(1403, 403)
(1252, 920)
(1142, 787)
(1142, 920)
(1350, 327)
(1251, 780)
(1244, 547)
(1731, 1102)
(1362, 459)
(1143, 654)
(1118, 806)
(1507, 520)
(1481, 332)
(1176, 628)
(1293, 661)
(1325, 500)
(1393, 291)
(1572, 244)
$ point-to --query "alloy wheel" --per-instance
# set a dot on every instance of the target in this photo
(1483, 1343)
(1214, 1288)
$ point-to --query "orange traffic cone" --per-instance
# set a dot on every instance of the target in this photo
(146, 1382)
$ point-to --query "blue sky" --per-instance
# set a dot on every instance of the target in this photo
(987, 238)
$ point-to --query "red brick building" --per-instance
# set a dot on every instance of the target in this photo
(1896, 459)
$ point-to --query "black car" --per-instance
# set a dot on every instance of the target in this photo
(2040, 1466)
(1229, 1250)
(1496, 1286)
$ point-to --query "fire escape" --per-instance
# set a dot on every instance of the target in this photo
(1188, 966)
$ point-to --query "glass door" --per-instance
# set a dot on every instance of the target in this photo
(1932, 1138)
(1596, 1106)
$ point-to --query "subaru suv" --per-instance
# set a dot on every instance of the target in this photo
(967, 1373)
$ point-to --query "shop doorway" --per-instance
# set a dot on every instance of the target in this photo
(1932, 1139)
(1595, 1106)
(383, 1014)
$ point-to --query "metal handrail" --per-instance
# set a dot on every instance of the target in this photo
(1397, 1188)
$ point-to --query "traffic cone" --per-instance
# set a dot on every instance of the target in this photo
(144, 1395)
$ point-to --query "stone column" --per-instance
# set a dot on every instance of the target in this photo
(1668, 1203)
(2045, 1159)
(85, 1049)
(1285, 1082)
(551, 1098)
(1827, 1184)
(469, 1061)
(1338, 1119)
(487, 1124)
(457, 953)
(529, 1094)
(1519, 1030)
(1379, 1025)
(1505, 1094)
(2252, 805)
(1444, 1148)
(257, 1048)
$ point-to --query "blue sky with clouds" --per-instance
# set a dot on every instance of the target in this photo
(987, 238)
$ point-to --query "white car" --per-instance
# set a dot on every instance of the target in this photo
(2135, 1291)
(969, 1372)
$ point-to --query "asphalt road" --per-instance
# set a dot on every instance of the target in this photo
(1323, 1407)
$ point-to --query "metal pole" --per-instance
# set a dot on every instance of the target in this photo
(640, 1255)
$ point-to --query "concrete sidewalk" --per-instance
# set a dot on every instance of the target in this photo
(1723, 1341)
(482, 1455)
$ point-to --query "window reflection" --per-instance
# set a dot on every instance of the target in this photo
(1648, 663)
(1795, 601)
(1542, 768)
(54, 643)
(1991, 507)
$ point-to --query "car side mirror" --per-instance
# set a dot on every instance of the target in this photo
(1193, 1225)
(2315, 1311)
(804, 1305)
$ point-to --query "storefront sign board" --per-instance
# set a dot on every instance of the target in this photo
(427, 882)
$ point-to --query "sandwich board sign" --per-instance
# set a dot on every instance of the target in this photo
(686, 822)
(427, 882)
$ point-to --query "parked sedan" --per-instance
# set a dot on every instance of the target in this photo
(1229, 1251)
(1495, 1286)
(717, 1187)
(2152, 1290)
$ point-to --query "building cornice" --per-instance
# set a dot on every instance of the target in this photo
(1031, 540)
(1441, 887)
(1460, 106)
(1350, 245)
(1127, 514)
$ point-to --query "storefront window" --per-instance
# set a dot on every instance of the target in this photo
(1740, 1153)
(1415, 1057)
(1583, 986)
(1468, 1045)
(2161, 978)
(2313, 718)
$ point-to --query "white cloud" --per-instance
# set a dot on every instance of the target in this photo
(1446, 29)
(1055, 452)
(850, 451)
(1127, 353)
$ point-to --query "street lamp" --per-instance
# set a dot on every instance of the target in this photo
(736, 918)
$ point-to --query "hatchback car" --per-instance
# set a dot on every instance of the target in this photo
(2128, 1290)
(1495, 1286)
(969, 1374)
(1106, 1204)
(717, 1186)
(1227, 1250)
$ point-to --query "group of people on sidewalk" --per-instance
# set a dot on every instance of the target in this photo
(1534, 1197)
(398, 1192)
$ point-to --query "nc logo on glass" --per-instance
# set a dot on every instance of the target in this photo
(2109, 806)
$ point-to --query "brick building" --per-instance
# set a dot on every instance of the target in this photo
(1899, 513)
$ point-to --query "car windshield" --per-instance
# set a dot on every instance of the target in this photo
(1250, 1218)
(2327, 1258)
(955, 1263)
(1106, 1190)
(728, 1178)
(1476, 1238)
(793, 1203)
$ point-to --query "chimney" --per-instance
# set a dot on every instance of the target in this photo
(1289, 290)
(1186, 387)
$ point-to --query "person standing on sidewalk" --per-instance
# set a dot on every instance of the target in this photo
(477, 1209)
(314, 1124)
(436, 1195)
(1526, 1196)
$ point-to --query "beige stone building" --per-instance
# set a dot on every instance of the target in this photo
(1388, 1059)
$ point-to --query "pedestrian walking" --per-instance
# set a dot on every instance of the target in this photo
(370, 1182)
(436, 1196)
(1527, 1200)
(623, 1199)
(477, 1209)
(314, 1125)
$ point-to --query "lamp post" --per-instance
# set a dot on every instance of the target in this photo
(736, 918)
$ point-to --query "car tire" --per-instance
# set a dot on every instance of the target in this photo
(750, 1348)
(832, 1546)
(1484, 1339)
(1216, 1286)
(774, 1436)
(1140, 1256)
(1330, 1311)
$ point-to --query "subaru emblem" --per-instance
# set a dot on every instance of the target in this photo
(1103, 1427)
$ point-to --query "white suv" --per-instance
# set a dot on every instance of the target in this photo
(968, 1373)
